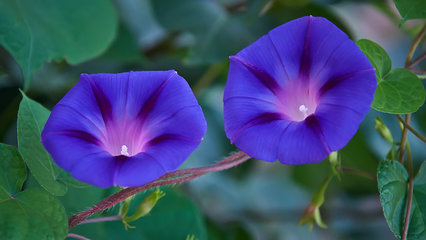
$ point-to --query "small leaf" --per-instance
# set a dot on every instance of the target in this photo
(400, 92)
(392, 182)
(12, 171)
(32, 214)
(411, 9)
(31, 119)
(377, 56)
(35, 31)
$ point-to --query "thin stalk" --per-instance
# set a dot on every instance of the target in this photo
(414, 45)
(417, 60)
(358, 172)
(102, 219)
(177, 176)
(404, 138)
(417, 71)
(410, 194)
(410, 54)
(76, 236)
(411, 129)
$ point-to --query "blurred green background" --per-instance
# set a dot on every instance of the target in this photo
(257, 200)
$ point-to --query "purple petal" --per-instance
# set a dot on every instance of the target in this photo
(289, 41)
(326, 39)
(353, 91)
(302, 143)
(81, 103)
(97, 169)
(66, 119)
(347, 59)
(67, 150)
(264, 139)
(338, 123)
(265, 58)
(174, 138)
(145, 167)
(175, 96)
(240, 112)
(245, 83)
(130, 91)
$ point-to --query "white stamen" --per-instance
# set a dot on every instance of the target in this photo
(124, 150)
(304, 110)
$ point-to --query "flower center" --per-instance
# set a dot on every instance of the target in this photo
(124, 138)
(124, 151)
(297, 101)
(304, 110)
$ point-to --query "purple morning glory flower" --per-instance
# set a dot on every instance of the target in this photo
(298, 93)
(124, 129)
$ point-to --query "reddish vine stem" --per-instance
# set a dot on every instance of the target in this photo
(217, 167)
(102, 219)
(419, 71)
(410, 195)
(404, 138)
(414, 45)
(411, 129)
(177, 176)
(76, 236)
(410, 54)
(359, 173)
(417, 60)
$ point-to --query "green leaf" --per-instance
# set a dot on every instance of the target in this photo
(35, 31)
(411, 9)
(420, 190)
(12, 171)
(401, 91)
(31, 119)
(32, 214)
(392, 182)
(377, 56)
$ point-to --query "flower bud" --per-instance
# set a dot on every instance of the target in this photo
(145, 207)
(383, 130)
(312, 214)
